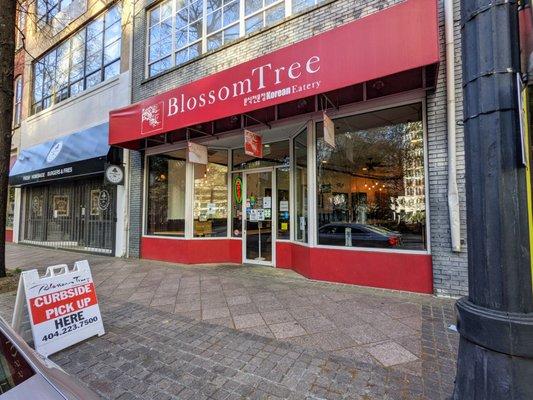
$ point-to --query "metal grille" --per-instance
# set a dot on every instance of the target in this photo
(77, 215)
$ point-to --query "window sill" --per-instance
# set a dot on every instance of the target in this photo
(65, 103)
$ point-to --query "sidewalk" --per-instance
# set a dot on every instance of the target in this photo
(225, 332)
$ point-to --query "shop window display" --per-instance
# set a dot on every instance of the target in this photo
(300, 166)
(274, 154)
(371, 186)
(211, 196)
(166, 194)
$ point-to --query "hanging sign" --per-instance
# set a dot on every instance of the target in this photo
(237, 189)
(253, 144)
(62, 305)
(196, 153)
(329, 130)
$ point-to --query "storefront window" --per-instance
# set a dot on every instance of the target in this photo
(370, 187)
(300, 163)
(211, 196)
(274, 154)
(236, 204)
(166, 194)
(283, 187)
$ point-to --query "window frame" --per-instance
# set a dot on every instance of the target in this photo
(58, 93)
(354, 110)
(205, 36)
(17, 101)
(309, 122)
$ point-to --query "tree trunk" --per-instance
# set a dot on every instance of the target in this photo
(7, 61)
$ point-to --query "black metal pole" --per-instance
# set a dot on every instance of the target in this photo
(495, 322)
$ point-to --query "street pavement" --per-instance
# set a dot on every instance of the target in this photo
(246, 332)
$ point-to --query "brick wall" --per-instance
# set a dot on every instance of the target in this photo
(450, 270)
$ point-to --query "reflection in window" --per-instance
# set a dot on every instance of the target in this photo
(166, 194)
(300, 165)
(370, 187)
(211, 195)
(274, 154)
(180, 30)
(283, 188)
(87, 58)
(17, 99)
(14, 369)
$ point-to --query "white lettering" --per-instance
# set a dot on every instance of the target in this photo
(241, 84)
(193, 106)
(313, 60)
(294, 68)
(261, 74)
(225, 89)
(172, 106)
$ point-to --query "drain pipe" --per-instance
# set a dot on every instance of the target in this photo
(453, 192)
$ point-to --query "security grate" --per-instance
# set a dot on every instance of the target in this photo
(78, 215)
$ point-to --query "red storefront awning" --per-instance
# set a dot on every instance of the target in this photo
(400, 38)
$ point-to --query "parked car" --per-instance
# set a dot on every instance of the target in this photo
(25, 375)
(335, 234)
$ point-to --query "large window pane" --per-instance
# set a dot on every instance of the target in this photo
(370, 187)
(283, 187)
(166, 194)
(194, 31)
(76, 64)
(300, 177)
(211, 196)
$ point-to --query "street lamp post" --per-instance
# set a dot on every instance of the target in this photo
(495, 321)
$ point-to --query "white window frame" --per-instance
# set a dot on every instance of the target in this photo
(412, 97)
(241, 22)
(17, 101)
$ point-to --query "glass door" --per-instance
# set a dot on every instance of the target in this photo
(258, 224)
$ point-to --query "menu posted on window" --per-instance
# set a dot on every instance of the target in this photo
(62, 305)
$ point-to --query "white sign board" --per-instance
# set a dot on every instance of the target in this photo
(329, 130)
(62, 306)
(196, 153)
(267, 202)
(284, 205)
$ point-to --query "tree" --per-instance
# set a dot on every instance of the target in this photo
(7, 61)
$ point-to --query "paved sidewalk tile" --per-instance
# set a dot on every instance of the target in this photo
(234, 332)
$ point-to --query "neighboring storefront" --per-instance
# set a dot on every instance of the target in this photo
(65, 200)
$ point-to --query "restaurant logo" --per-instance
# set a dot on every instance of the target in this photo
(54, 152)
(264, 83)
(152, 118)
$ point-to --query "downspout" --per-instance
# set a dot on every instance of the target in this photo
(453, 192)
(127, 152)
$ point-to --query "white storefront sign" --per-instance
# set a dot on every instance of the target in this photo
(62, 306)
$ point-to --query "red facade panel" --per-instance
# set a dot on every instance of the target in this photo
(400, 38)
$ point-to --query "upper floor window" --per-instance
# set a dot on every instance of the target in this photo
(48, 9)
(87, 58)
(17, 106)
(21, 26)
(180, 30)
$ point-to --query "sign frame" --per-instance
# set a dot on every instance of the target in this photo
(62, 306)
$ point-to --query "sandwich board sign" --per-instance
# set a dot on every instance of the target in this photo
(62, 306)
